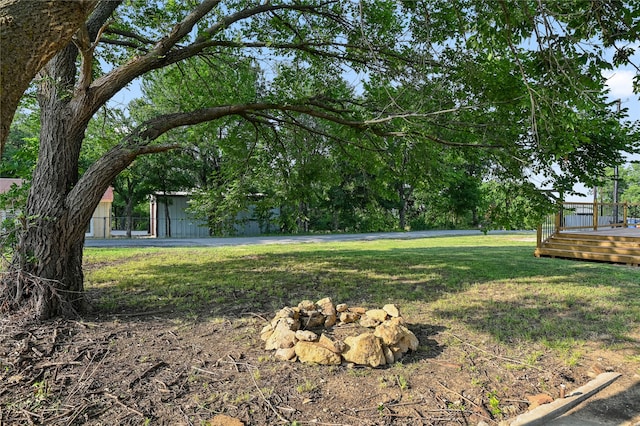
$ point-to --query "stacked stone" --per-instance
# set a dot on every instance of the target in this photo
(290, 333)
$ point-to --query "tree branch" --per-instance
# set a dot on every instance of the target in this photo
(84, 45)
(268, 120)
(124, 43)
(109, 84)
(247, 13)
(184, 27)
(100, 17)
(152, 129)
(163, 52)
(94, 182)
(131, 35)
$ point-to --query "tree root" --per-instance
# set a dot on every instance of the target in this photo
(25, 295)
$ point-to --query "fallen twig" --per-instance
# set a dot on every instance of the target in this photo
(494, 355)
(75, 415)
(147, 372)
(81, 379)
(28, 415)
(418, 414)
(254, 382)
(484, 416)
(61, 414)
(457, 394)
(83, 324)
(202, 370)
(58, 364)
(235, 364)
(390, 405)
(120, 403)
(255, 315)
(267, 401)
(142, 314)
(524, 401)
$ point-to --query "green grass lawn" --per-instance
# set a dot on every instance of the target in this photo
(490, 285)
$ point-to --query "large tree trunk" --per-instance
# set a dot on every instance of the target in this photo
(46, 271)
(45, 275)
(47, 263)
(31, 33)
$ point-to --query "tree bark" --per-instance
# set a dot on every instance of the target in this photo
(31, 33)
(48, 259)
(128, 211)
(167, 217)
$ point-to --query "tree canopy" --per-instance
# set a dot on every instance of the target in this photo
(515, 83)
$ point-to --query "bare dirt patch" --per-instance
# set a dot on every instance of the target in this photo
(158, 369)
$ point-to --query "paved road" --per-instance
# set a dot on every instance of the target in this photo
(237, 241)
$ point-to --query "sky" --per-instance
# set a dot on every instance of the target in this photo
(620, 83)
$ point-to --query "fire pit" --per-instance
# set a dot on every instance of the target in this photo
(323, 333)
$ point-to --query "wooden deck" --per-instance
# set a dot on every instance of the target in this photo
(613, 245)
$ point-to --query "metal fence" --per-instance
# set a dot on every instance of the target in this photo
(113, 226)
(116, 226)
(137, 223)
(592, 216)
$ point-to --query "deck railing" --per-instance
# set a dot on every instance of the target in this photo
(592, 216)
(546, 229)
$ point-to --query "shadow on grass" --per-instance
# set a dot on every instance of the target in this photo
(504, 291)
